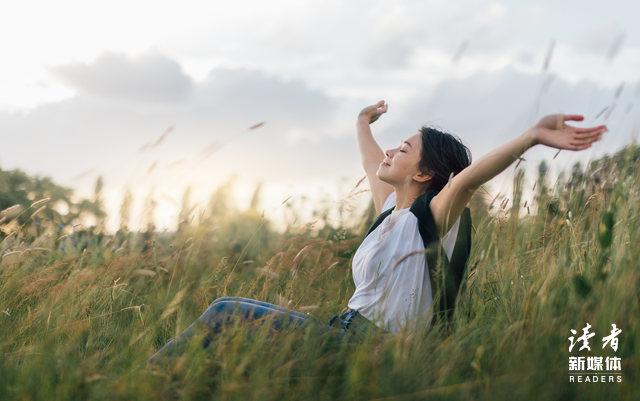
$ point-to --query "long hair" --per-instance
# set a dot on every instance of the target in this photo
(442, 153)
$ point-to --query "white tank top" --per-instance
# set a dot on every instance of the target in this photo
(390, 298)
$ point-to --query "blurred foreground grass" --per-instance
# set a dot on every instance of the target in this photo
(75, 322)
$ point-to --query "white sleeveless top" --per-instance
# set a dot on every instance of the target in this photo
(393, 298)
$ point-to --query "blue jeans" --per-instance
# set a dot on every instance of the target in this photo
(350, 324)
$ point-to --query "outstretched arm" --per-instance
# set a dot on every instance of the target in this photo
(551, 131)
(371, 153)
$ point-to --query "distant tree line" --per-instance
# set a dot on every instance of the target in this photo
(31, 206)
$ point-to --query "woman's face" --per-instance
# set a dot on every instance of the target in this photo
(402, 162)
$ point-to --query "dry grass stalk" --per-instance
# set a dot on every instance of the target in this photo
(173, 305)
(40, 202)
(9, 210)
(267, 272)
(144, 272)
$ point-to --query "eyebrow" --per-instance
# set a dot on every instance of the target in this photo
(403, 141)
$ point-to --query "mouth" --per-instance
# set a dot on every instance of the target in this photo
(384, 164)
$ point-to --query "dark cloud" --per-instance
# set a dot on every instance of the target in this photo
(148, 77)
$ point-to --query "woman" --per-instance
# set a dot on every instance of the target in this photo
(420, 191)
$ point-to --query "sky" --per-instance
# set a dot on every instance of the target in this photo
(159, 96)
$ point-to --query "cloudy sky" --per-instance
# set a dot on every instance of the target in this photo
(162, 94)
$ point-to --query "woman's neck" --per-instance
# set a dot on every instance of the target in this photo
(406, 195)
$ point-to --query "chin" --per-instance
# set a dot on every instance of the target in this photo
(381, 177)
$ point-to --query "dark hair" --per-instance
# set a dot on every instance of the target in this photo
(442, 154)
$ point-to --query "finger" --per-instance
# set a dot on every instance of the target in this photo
(591, 129)
(572, 117)
(576, 147)
(586, 135)
(583, 141)
(375, 106)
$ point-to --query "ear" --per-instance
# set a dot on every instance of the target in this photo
(422, 177)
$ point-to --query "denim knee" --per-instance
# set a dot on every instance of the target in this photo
(228, 304)
(223, 303)
(225, 299)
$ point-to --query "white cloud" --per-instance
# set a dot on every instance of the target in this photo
(574, 66)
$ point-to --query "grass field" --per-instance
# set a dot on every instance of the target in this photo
(76, 322)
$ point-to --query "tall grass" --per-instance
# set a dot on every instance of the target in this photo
(75, 323)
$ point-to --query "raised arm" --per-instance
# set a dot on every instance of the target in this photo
(371, 154)
(551, 131)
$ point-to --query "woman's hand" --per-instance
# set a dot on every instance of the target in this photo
(372, 113)
(552, 131)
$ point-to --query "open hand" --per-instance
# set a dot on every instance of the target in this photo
(552, 131)
(372, 113)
